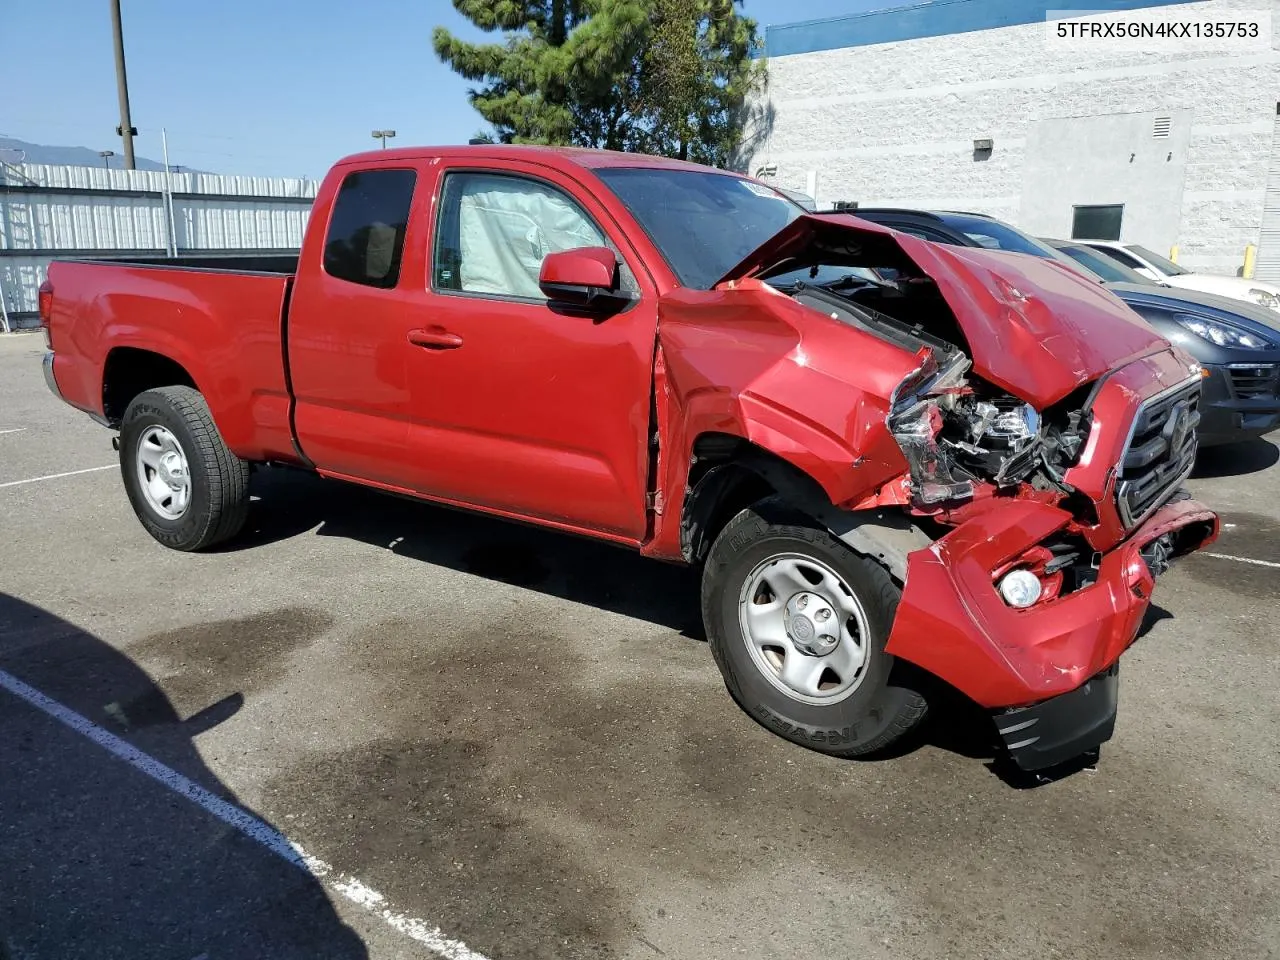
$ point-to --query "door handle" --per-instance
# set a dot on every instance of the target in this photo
(434, 338)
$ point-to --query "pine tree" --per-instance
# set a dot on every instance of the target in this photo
(696, 75)
(662, 76)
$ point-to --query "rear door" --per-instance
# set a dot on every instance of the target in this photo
(530, 407)
(357, 294)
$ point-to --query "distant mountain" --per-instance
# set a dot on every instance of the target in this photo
(13, 150)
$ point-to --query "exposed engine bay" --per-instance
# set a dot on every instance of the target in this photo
(956, 431)
(954, 434)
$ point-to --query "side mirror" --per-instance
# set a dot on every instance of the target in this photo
(579, 276)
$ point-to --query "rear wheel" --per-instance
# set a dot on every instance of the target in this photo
(797, 623)
(188, 490)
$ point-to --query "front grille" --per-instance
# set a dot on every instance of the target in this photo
(1161, 451)
(1251, 381)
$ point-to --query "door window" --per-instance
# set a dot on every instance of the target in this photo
(495, 229)
(366, 229)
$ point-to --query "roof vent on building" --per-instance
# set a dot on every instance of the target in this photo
(1162, 126)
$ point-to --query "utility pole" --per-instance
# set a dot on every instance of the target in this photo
(126, 129)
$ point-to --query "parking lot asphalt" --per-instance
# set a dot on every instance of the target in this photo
(520, 739)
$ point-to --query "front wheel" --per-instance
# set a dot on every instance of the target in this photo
(797, 624)
(188, 490)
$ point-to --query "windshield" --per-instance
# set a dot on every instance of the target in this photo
(1109, 270)
(1167, 267)
(703, 224)
(997, 236)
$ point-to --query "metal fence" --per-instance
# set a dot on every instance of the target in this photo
(89, 212)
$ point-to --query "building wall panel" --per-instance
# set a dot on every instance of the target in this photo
(89, 211)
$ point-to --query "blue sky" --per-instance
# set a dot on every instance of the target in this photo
(265, 87)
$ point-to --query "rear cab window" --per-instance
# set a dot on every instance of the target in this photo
(365, 240)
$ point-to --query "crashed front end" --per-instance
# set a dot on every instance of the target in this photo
(1058, 521)
(1047, 432)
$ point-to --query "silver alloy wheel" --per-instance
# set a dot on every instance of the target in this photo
(163, 473)
(805, 630)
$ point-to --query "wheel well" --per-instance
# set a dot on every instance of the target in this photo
(129, 371)
(729, 474)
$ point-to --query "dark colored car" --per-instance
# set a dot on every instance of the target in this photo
(1237, 343)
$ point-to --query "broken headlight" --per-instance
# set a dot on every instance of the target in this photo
(1003, 439)
(951, 439)
(917, 416)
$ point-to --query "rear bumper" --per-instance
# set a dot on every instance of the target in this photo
(49, 379)
(1226, 417)
(953, 623)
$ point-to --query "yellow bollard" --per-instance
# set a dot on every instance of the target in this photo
(1250, 255)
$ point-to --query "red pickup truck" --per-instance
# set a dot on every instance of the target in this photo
(892, 460)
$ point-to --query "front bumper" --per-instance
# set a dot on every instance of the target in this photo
(952, 622)
(1054, 731)
(1236, 404)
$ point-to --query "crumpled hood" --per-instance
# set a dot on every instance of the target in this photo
(1034, 327)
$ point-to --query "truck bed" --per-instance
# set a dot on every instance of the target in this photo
(220, 318)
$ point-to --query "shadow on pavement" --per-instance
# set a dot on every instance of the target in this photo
(580, 570)
(99, 860)
(553, 563)
(1236, 459)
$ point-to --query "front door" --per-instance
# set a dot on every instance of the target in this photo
(519, 404)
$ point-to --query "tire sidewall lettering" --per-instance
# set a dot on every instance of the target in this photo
(848, 734)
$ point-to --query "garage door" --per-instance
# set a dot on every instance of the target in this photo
(1268, 265)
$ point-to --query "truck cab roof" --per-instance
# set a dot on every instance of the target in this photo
(560, 157)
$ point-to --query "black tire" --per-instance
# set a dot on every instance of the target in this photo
(880, 710)
(219, 498)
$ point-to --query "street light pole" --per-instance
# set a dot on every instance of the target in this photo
(383, 135)
(126, 129)
(106, 156)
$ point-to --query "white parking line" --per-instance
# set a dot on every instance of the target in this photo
(14, 430)
(56, 476)
(1256, 563)
(348, 887)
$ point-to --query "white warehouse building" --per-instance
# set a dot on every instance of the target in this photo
(975, 105)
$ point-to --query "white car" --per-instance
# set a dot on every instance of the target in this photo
(1162, 270)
